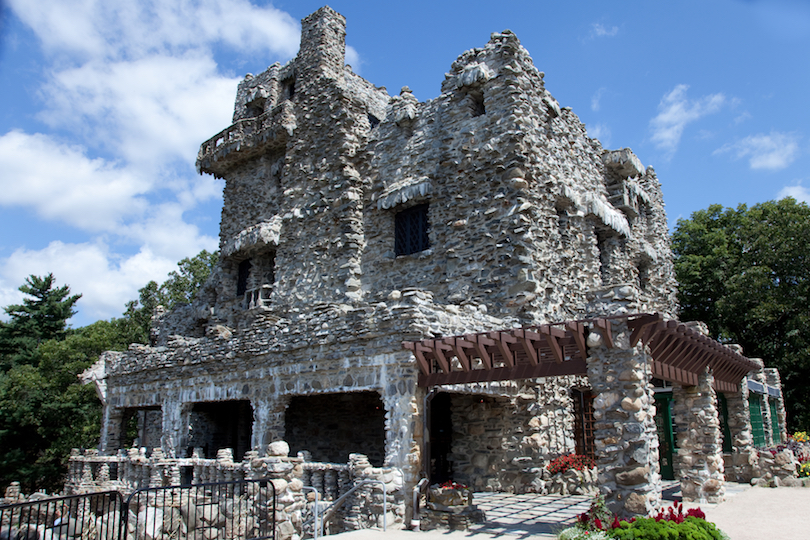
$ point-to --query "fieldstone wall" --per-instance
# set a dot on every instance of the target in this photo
(699, 460)
(503, 442)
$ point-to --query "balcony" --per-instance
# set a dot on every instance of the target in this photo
(246, 139)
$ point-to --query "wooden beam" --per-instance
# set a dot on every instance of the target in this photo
(481, 342)
(438, 348)
(577, 330)
(641, 325)
(605, 329)
(553, 343)
(459, 344)
(527, 339)
(521, 371)
(502, 340)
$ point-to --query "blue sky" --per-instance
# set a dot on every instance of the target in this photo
(105, 103)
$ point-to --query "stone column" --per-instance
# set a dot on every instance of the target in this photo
(268, 421)
(111, 430)
(775, 381)
(176, 419)
(699, 462)
(626, 441)
(743, 454)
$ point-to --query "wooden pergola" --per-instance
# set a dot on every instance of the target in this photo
(678, 353)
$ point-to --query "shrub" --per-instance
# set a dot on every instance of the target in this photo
(571, 461)
(801, 436)
(804, 470)
(691, 528)
(598, 523)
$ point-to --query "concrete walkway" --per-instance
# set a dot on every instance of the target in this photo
(747, 514)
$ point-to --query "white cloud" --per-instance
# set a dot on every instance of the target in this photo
(105, 281)
(136, 87)
(742, 117)
(773, 152)
(148, 111)
(61, 183)
(601, 132)
(675, 111)
(353, 59)
(122, 29)
(798, 192)
(596, 98)
(600, 30)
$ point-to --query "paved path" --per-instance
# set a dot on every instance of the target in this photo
(747, 514)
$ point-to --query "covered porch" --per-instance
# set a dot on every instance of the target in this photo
(619, 357)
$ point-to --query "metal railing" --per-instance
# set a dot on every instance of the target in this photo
(91, 515)
(237, 510)
(340, 500)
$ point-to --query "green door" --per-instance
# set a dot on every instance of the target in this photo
(755, 412)
(777, 432)
(666, 442)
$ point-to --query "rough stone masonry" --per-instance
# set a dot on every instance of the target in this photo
(353, 221)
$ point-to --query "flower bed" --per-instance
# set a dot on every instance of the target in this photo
(572, 475)
(598, 523)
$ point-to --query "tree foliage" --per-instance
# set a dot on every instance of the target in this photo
(44, 409)
(40, 317)
(745, 272)
(180, 288)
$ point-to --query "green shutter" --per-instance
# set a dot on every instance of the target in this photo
(755, 411)
(777, 432)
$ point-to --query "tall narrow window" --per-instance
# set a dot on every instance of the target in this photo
(583, 422)
(411, 230)
(243, 274)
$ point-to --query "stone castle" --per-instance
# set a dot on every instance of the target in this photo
(463, 288)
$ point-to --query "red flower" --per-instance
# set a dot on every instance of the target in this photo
(597, 523)
(615, 524)
(696, 512)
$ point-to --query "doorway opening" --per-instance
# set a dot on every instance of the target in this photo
(221, 424)
(332, 426)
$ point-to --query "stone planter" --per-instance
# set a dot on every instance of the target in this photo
(444, 498)
(573, 482)
(450, 508)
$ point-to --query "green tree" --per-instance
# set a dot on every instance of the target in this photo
(41, 317)
(180, 288)
(745, 272)
(45, 410)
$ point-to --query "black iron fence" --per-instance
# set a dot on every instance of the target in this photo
(238, 510)
(63, 518)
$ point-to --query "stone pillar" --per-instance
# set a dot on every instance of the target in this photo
(626, 441)
(775, 381)
(743, 455)
(112, 426)
(268, 421)
(699, 462)
(176, 420)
